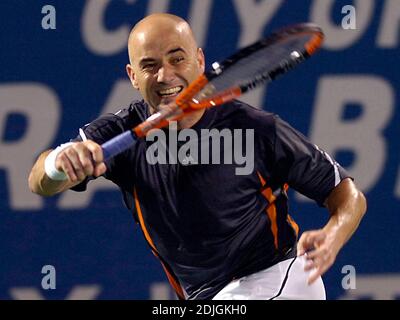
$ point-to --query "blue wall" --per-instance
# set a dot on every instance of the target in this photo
(346, 99)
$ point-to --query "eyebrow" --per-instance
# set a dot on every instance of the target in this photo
(148, 59)
(179, 49)
(145, 60)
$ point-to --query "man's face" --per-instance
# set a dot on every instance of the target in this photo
(164, 63)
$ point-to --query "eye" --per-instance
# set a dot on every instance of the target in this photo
(176, 60)
(149, 66)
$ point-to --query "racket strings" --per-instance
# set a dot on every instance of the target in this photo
(255, 67)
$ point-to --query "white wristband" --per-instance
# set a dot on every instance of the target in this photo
(50, 163)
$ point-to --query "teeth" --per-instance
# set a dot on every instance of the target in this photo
(170, 91)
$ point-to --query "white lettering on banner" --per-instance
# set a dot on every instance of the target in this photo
(104, 42)
(199, 16)
(161, 291)
(388, 36)
(41, 107)
(375, 287)
(121, 95)
(363, 135)
(79, 292)
(338, 38)
(96, 37)
(253, 17)
(155, 6)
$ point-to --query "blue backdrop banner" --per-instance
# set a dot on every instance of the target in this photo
(63, 63)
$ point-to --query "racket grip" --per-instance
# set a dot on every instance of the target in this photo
(118, 144)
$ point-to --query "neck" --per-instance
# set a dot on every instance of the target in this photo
(189, 120)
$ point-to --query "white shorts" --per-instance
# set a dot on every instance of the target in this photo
(286, 280)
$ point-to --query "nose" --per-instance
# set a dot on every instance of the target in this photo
(165, 74)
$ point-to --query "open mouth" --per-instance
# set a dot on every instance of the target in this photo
(170, 92)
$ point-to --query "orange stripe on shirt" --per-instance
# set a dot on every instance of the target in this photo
(271, 209)
(174, 283)
(262, 180)
(141, 221)
(295, 226)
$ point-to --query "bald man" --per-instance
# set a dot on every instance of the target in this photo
(155, 43)
(218, 235)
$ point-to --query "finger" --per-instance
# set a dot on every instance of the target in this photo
(73, 157)
(316, 273)
(95, 150)
(300, 245)
(300, 249)
(99, 169)
(321, 266)
(85, 158)
(315, 237)
(309, 265)
(313, 276)
(86, 162)
(309, 240)
(303, 244)
(63, 163)
(320, 253)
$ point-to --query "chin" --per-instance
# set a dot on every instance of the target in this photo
(167, 100)
(163, 103)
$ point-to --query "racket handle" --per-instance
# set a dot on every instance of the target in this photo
(118, 144)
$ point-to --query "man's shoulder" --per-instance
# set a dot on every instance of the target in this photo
(246, 115)
(137, 111)
(111, 124)
(126, 117)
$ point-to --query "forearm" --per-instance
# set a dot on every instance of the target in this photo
(41, 184)
(347, 206)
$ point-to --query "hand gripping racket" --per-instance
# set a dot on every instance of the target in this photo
(247, 69)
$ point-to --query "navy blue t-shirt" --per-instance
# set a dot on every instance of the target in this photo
(207, 224)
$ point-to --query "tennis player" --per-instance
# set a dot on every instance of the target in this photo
(218, 235)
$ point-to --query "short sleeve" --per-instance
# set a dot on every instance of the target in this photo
(105, 128)
(303, 165)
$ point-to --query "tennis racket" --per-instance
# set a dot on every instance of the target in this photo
(247, 69)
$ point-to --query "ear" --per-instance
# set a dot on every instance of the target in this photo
(131, 75)
(201, 59)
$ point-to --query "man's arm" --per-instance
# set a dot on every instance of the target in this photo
(78, 161)
(347, 205)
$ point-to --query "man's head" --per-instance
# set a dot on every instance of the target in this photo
(164, 58)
